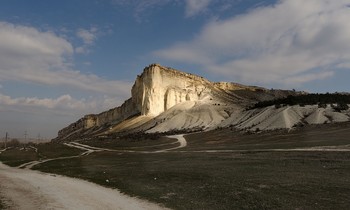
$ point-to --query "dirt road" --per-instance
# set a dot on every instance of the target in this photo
(32, 190)
(27, 189)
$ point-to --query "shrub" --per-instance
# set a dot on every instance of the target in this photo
(341, 106)
(322, 105)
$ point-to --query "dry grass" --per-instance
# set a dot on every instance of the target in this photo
(188, 179)
(233, 180)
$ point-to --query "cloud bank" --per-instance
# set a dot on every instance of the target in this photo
(63, 103)
(28, 57)
(294, 41)
(33, 56)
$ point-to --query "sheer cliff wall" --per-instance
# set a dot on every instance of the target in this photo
(155, 90)
(160, 88)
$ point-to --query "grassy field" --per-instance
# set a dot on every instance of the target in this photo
(248, 177)
(267, 180)
(310, 136)
(132, 143)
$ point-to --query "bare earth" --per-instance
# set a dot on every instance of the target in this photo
(27, 189)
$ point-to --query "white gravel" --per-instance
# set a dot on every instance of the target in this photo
(32, 190)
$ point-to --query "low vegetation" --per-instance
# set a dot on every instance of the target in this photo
(341, 101)
(23, 153)
(248, 177)
(252, 180)
(241, 172)
(2, 205)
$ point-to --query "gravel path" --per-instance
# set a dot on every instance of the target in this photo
(32, 190)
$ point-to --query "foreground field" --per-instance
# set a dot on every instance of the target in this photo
(223, 169)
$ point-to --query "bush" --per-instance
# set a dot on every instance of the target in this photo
(13, 143)
(277, 106)
(322, 105)
(308, 99)
(340, 107)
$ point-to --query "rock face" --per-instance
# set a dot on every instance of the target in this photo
(158, 89)
(106, 118)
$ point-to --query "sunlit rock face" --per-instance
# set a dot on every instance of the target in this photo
(158, 89)
(112, 116)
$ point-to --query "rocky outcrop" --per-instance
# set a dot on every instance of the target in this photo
(106, 118)
(157, 90)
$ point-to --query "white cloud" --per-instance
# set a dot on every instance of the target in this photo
(32, 56)
(308, 77)
(142, 8)
(82, 50)
(47, 115)
(65, 103)
(29, 43)
(272, 44)
(88, 36)
(194, 7)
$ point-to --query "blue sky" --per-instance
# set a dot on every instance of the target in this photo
(60, 60)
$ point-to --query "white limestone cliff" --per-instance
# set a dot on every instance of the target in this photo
(157, 90)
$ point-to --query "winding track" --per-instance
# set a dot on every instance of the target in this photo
(180, 140)
(33, 190)
(90, 149)
(3, 150)
(183, 143)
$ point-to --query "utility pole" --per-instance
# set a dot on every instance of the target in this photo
(37, 142)
(6, 139)
(25, 136)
